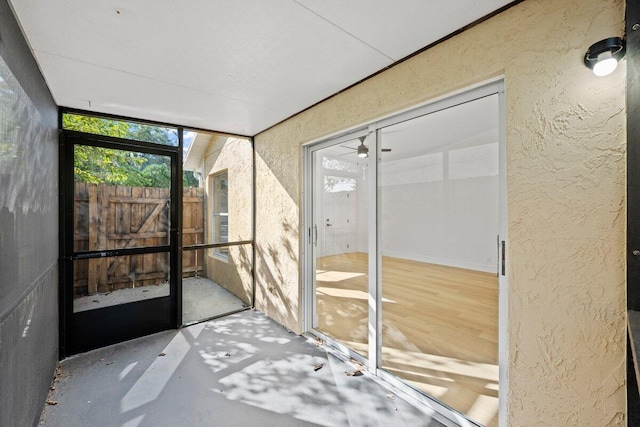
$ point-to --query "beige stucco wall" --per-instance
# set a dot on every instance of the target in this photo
(233, 155)
(565, 198)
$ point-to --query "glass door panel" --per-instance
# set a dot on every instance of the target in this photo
(121, 201)
(108, 281)
(340, 245)
(439, 204)
(119, 283)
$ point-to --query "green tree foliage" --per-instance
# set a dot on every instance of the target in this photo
(95, 125)
(158, 174)
(97, 165)
(119, 167)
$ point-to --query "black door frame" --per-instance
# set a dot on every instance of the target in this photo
(130, 320)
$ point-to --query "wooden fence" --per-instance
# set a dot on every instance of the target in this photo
(117, 217)
(193, 208)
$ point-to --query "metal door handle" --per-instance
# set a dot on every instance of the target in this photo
(315, 230)
(504, 258)
(328, 225)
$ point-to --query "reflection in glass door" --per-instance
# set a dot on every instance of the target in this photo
(340, 244)
(439, 201)
(418, 297)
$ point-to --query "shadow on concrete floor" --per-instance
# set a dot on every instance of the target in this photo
(240, 370)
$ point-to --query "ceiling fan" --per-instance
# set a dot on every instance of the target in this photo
(363, 150)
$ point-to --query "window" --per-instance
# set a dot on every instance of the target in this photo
(132, 130)
(220, 211)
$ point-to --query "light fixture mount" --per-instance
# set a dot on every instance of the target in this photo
(603, 57)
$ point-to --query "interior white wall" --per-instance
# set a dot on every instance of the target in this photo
(439, 188)
(442, 208)
(362, 214)
(318, 205)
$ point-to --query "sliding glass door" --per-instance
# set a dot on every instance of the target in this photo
(439, 200)
(405, 224)
(340, 235)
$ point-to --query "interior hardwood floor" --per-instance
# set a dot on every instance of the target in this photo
(439, 326)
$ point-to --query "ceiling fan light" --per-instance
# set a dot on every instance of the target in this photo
(363, 151)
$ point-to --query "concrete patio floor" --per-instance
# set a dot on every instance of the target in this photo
(202, 298)
(240, 370)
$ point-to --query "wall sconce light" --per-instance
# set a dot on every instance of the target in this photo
(603, 57)
(363, 150)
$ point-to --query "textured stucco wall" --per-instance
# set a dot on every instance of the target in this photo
(233, 155)
(277, 240)
(565, 198)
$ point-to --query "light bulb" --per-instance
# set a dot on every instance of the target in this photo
(606, 64)
(363, 151)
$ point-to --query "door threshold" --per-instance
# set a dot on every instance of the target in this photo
(430, 406)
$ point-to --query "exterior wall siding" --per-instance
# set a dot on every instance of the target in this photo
(233, 156)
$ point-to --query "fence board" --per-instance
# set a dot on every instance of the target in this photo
(116, 217)
(93, 207)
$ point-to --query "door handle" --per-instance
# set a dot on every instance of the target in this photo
(315, 233)
(329, 225)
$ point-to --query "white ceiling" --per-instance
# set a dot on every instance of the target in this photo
(237, 66)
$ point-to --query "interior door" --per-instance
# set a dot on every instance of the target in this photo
(119, 241)
(340, 211)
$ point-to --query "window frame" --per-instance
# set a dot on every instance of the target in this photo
(217, 213)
